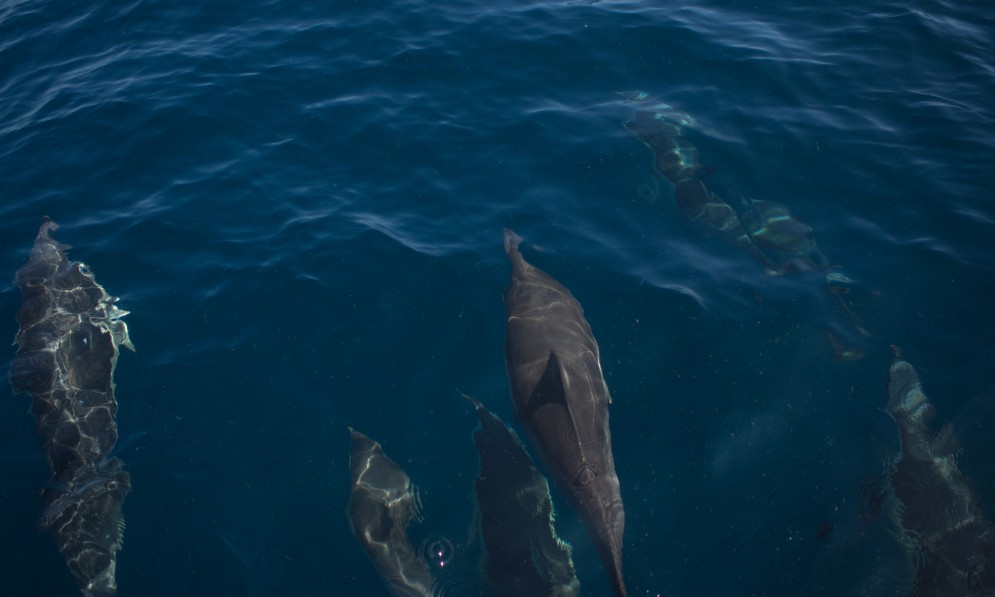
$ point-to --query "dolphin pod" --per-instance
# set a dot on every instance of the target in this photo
(561, 400)
(949, 543)
(68, 346)
(70, 331)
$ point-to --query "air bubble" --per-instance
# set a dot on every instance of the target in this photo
(438, 551)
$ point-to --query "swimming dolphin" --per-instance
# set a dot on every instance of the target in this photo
(524, 554)
(765, 230)
(950, 544)
(70, 331)
(381, 504)
(561, 399)
(677, 160)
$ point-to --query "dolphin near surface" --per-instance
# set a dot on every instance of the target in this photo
(68, 340)
(381, 504)
(524, 554)
(949, 542)
(561, 400)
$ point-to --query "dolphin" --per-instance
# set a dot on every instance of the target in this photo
(524, 554)
(949, 542)
(677, 160)
(381, 504)
(765, 230)
(70, 332)
(561, 399)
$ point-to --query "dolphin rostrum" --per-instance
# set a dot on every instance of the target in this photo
(67, 351)
(381, 505)
(561, 399)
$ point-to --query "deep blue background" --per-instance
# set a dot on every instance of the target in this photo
(302, 205)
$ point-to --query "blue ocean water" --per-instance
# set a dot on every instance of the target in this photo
(302, 206)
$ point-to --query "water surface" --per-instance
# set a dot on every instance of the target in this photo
(302, 208)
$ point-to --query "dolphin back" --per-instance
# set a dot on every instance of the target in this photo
(382, 503)
(561, 398)
(949, 542)
(70, 332)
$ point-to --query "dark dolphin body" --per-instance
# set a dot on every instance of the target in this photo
(562, 400)
(524, 555)
(950, 544)
(67, 350)
(381, 505)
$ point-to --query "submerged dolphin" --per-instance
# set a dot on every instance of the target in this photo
(524, 554)
(950, 544)
(765, 230)
(68, 343)
(381, 505)
(562, 400)
(678, 161)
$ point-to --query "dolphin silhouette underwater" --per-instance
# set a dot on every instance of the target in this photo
(561, 400)
(765, 230)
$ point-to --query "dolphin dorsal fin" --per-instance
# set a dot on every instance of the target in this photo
(549, 390)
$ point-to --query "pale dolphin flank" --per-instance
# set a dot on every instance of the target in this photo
(950, 544)
(67, 351)
(381, 505)
(562, 400)
(524, 554)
